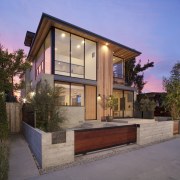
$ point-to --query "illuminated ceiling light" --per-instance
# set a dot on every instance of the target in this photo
(63, 35)
(82, 42)
(78, 46)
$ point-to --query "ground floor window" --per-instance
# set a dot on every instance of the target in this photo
(125, 101)
(73, 94)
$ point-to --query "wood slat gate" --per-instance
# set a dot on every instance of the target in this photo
(87, 140)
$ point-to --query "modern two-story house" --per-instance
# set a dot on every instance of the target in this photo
(90, 68)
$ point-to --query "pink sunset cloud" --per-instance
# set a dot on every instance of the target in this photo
(153, 84)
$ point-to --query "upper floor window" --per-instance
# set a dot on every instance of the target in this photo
(74, 56)
(117, 67)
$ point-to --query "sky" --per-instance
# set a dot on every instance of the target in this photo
(149, 26)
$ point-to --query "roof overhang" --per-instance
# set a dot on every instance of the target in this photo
(48, 21)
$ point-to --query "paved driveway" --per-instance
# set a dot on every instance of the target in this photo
(156, 162)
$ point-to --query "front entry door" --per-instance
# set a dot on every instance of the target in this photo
(90, 102)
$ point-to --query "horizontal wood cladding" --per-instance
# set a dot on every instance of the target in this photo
(96, 139)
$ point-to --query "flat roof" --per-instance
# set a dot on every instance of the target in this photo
(47, 21)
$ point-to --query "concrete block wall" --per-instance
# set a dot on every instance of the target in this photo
(74, 115)
(155, 131)
(33, 138)
(46, 153)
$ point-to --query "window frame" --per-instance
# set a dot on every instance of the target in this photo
(70, 84)
(53, 50)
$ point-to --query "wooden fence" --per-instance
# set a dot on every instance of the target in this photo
(87, 140)
(14, 116)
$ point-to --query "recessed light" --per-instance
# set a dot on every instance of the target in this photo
(78, 46)
(63, 35)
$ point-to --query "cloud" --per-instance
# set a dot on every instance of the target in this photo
(153, 84)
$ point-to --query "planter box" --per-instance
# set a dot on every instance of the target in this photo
(176, 127)
(109, 118)
(148, 114)
(138, 114)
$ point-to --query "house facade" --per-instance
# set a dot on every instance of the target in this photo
(90, 67)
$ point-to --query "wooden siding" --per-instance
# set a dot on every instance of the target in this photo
(90, 103)
(104, 77)
(95, 139)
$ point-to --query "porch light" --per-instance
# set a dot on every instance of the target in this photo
(99, 97)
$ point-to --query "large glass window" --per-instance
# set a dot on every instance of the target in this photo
(119, 108)
(74, 55)
(128, 112)
(62, 53)
(77, 56)
(117, 67)
(65, 96)
(48, 54)
(77, 95)
(73, 94)
(90, 60)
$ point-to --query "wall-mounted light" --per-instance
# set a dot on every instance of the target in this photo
(107, 44)
(99, 97)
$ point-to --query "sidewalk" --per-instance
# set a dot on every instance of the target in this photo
(156, 162)
(21, 162)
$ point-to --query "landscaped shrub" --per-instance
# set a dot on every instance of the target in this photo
(3, 120)
(3, 161)
(3, 140)
(49, 114)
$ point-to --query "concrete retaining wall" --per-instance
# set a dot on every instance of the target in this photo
(155, 131)
(46, 153)
(74, 116)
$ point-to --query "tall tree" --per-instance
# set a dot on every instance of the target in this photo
(172, 86)
(12, 65)
(134, 73)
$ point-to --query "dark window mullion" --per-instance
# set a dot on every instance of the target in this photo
(84, 57)
(70, 94)
(70, 56)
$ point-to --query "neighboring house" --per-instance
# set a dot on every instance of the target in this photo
(90, 68)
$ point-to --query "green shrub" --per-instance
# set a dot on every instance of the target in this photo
(3, 120)
(4, 161)
(49, 114)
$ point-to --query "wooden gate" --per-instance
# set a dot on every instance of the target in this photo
(14, 116)
(87, 140)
